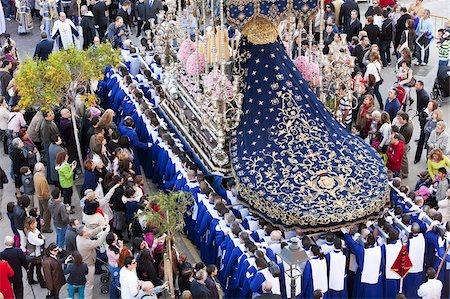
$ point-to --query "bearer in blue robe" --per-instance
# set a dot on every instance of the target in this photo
(337, 271)
(126, 129)
(328, 245)
(262, 275)
(192, 187)
(243, 265)
(232, 262)
(315, 275)
(246, 292)
(391, 278)
(416, 250)
(370, 260)
(440, 245)
(231, 237)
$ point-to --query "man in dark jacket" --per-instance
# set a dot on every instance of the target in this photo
(346, 10)
(353, 26)
(422, 96)
(385, 39)
(16, 259)
(43, 48)
(70, 240)
(88, 26)
(99, 11)
(199, 289)
(123, 12)
(146, 10)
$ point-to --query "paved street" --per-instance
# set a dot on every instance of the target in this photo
(26, 45)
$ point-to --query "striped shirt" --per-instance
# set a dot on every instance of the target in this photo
(444, 50)
(344, 105)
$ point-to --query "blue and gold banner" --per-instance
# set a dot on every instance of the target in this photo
(295, 164)
(240, 12)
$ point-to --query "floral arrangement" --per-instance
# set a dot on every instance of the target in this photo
(187, 47)
(213, 81)
(309, 70)
(195, 64)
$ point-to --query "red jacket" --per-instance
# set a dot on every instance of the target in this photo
(394, 156)
(5, 285)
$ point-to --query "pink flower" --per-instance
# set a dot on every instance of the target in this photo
(213, 80)
(195, 64)
(187, 47)
(309, 70)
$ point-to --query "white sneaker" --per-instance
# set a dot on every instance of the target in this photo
(8, 19)
(416, 63)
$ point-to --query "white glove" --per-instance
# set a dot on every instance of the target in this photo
(447, 236)
(344, 230)
(149, 144)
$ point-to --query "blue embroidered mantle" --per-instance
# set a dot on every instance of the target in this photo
(295, 164)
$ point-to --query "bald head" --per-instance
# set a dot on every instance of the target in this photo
(276, 235)
(267, 286)
(65, 113)
(147, 287)
(9, 241)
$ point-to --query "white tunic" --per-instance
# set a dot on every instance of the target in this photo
(65, 31)
(417, 253)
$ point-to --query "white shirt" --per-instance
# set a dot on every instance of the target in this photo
(431, 289)
(16, 121)
(4, 117)
(33, 239)
(129, 283)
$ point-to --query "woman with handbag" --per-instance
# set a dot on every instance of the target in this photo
(35, 243)
(408, 39)
(373, 76)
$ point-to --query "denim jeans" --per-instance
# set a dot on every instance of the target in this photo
(443, 62)
(385, 48)
(60, 235)
(71, 291)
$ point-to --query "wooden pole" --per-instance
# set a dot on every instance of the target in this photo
(442, 261)
(170, 269)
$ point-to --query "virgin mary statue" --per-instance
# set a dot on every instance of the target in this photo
(295, 164)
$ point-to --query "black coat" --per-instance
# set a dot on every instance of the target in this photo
(88, 26)
(400, 26)
(125, 16)
(200, 291)
(386, 30)
(373, 33)
(43, 49)
(99, 10)
(346, 10)
(18, 160)
(70, 240)
(16, 259)
(145, 12)
(352, 29)
(422, 99)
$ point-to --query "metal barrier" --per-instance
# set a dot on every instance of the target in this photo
(438, 22)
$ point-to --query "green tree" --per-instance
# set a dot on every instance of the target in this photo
(169, 221)
(53, 82)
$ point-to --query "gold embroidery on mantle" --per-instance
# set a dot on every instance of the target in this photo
(260, 31)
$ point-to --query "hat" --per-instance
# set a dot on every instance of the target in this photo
(80, 230)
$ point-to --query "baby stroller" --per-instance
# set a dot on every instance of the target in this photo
(441, 87)
(111, 278)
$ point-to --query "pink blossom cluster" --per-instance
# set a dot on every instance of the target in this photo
(310, 70)
(213, 81)
(187, 47)
(195, 65)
